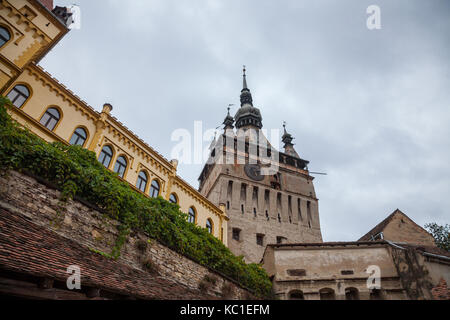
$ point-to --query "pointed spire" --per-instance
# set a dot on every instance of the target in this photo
(287, 138)
(229, 120)
(244, 85)
(246, 96)
(288, 145)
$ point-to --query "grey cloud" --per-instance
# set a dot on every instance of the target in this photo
(370, 108)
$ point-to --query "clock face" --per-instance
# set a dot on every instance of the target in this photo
(253, 171)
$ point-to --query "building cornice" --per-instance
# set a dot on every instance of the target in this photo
(61, 90)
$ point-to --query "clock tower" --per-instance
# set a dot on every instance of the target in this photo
(268, 194)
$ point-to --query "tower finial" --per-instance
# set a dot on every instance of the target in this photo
(244, 70)
(229, 120)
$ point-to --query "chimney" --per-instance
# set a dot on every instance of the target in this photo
(48, 4)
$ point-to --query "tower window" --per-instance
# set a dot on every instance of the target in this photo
(308, 212)
(260, 239)
(154, 189)
(243, 192)
(120, 166)
(254, 212)
(142, 181)
(50, 118)
(267, 215)
(18, 95)
(281, 240)
(299, 205)
(267, 197)
(279, 218)
(5, 36)
(255, 196)
(242, 209)
(105, 156)
(230, 189)
(290, 205)
(79, 137)
(228, 205)
(236, 234)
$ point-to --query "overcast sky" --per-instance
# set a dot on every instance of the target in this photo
(369, 107)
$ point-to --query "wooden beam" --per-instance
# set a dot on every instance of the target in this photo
(29, 290)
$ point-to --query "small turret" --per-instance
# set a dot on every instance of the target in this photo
(229, 120)
(288, 145)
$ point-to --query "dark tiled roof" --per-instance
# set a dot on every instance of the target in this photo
(32, 250)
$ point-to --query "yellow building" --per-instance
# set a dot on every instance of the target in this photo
(28, 30)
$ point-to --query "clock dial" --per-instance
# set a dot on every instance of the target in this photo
(253, 171)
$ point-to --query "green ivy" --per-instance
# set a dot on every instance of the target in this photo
(76, 172)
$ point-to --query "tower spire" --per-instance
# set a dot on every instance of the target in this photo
(288, 145)
(246, 96)
(229, 120)
(244, 85)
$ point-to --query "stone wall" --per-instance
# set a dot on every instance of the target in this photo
(83, 225)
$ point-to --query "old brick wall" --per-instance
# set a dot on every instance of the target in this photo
(83, 225)
(441, 291)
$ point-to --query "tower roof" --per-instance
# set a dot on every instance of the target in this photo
(229, 120)
(288, 145)
(247, 115)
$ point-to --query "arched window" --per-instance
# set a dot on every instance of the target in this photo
(154, 189)
(351, 294)
(327, 294)
(173, 198)
(142, 181)
(209, 226)
(296, 295)
(5, 36)
(50, 118)
(79, 137)
(192, 215)
(106, 156)
(120, 166)
(18, 95)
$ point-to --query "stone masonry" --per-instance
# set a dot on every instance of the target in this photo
(77, 233)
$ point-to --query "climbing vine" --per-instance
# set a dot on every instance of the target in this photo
(76, 172)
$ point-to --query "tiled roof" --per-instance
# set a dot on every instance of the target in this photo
(29, 249)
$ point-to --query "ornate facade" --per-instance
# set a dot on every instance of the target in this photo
(28, 30)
